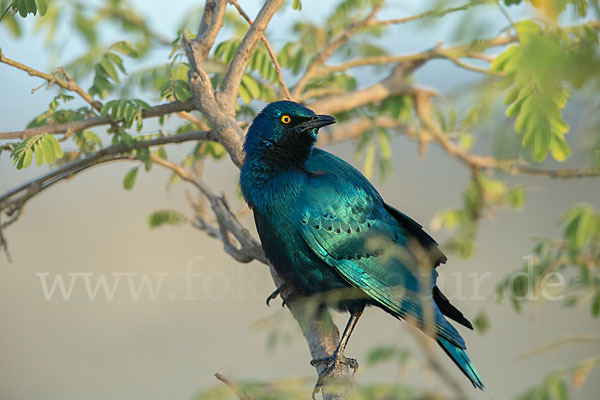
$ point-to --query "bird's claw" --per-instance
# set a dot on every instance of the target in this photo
(331, 363)
(276, 293)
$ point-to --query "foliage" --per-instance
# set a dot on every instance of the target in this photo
(576, 255)
(165, 217)
(45, 147)
(535, 71)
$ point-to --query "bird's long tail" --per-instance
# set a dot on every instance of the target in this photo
(460, 358)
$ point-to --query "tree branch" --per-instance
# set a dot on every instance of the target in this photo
(233, 78)
(430, 13)
(250, 249)
(393, 85)
(69, 128)
(68, 84)
(269, 50)
(107, 154)
(471, 50)
(324, 54)
(239, 392)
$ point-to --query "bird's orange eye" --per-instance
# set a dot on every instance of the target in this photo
(286, 119)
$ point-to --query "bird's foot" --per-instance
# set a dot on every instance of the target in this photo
(331, 363)
(278, 291)
(274, 295)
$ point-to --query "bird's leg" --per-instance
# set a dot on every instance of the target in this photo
(338, 355)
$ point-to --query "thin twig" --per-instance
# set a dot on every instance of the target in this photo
(324, 54)
(71, 127)
(68, 84)
(514, 167)
(430, 13)
(42, 182)
(269, 49)
(249, 248)
(239, 392)
(558, 343)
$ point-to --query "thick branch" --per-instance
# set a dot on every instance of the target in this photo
(233, 78)
(269, 50)
(74, 126)
(212, 22)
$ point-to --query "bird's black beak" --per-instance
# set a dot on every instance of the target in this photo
(316, 122)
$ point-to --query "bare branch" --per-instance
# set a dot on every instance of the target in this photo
(424, 109)
(233, 78)
(394, 84)
(239, 392)
(559, 343)
(330, 48)
(430, 13)
(69, 128)
(451, 53)
(68, 84)
(250, 249)
(269, 50)
(354, 128)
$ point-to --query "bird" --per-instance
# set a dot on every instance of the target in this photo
(325, 229)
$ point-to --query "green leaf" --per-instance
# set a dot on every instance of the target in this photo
(28, 158)
(39, 154)
(125, 48)
(31, 7)
(481, 322)
(251, 85)
(596, 305)
(580, 223)
(162, 153)
(536, 93)
(129, 179)
(42, 6)
(48, 148)
(165, 217)
(297, 5)
(56, 145)
(380, 354)
(109, 69)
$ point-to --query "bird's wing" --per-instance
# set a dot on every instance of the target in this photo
(344, 221)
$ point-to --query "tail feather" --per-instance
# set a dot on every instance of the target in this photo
(460, 358)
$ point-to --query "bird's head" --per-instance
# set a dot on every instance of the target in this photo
(284, 132)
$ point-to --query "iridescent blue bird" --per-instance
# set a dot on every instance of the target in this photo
(325, 228)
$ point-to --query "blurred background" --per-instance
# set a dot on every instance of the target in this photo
(170, 344)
